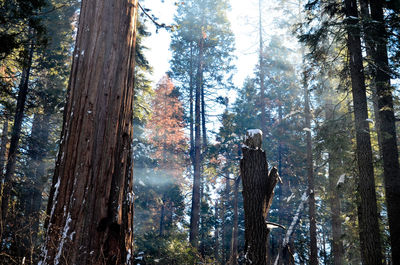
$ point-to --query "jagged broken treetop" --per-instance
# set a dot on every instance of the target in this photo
(253, 139)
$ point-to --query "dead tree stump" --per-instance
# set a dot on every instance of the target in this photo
(258, 191)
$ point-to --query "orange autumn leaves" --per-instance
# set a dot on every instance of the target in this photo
(166, 129)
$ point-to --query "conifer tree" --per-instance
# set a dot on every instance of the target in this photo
(91, 202)
(202, 48)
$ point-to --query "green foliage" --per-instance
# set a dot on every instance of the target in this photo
(47, 28)
(16, 18)
(202, 20)
(143, 88)
(174, 249)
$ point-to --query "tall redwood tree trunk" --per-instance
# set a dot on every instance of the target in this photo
(371, 251)
(387, 127)
(195, 213)
(91, 202)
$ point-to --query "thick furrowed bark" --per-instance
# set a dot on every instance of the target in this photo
(91, 202)
(387, 128)
(258, 187)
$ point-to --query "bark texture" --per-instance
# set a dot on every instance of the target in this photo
(91, 202)
(370, 241)
(387, 127)
(258, 190)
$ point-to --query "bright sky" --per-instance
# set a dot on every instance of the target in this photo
(244, 16)
(243, 19)
(244, 24)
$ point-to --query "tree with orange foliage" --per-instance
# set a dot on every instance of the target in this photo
(166, 135)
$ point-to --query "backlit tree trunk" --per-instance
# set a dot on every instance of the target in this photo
(227, 227)
(387, 127)
(91, 202)
(195, 213)
(258, 190)
(3, 151)
(310, 177)
(371, 251)
(36, 172)
(16, 131)
(3, 147)
(334, 170)
(235, 230)
(261, 72)
(216, 233)
(337, 244)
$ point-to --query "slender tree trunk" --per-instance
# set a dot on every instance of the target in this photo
(216, 233)
(3, 147)
(258, 189)
(91, 201)
(32, 200)
(324, 248)
(162, 218)
(37, 152)
(235, 231)
(337, 244)
(334, 172)
(223, 253)
(369, 44)
(285, 256)
(261, 73)
(191, 120)
(195, 213)
(280, 191)
(310, 178)
(3, 151)
(371, 251)
(169, 220)
(227, 225)
(387, 127)
(16, 130)
(203, 119)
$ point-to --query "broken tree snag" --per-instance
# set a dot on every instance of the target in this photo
(258, 191)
